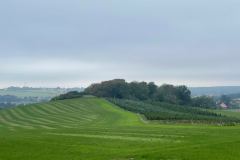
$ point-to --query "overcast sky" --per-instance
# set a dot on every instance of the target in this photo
(77, 42)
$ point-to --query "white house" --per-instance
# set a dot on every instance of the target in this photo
(223, 105)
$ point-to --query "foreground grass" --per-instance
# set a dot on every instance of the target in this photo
(94, 129)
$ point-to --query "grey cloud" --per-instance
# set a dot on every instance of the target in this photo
(193, 42)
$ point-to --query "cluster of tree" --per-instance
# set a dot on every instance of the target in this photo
(204, 102)
(214, 102)
(231, 101)
(119, 88)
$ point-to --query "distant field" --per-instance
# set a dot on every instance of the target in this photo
(30, 93)
(35, 92)
(95, 129)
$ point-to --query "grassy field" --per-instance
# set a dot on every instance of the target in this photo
(94, 129)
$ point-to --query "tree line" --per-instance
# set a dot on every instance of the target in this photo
(120, 89)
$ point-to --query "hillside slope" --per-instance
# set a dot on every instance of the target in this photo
(66, 114)
(94, 129)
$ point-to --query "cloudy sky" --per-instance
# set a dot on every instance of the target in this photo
(77, 42)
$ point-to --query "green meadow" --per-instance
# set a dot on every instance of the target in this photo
(95, 129)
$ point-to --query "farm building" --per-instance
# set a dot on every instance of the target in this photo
(224, 106)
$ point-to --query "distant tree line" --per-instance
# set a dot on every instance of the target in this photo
(11, 100)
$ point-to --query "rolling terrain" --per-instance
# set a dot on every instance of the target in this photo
(95, 129)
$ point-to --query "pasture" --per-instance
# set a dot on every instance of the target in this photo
(95, 129)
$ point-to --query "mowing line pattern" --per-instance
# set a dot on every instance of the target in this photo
(62, 114)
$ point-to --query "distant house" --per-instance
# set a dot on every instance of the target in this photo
(224, 106)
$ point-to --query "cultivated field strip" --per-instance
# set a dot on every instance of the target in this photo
(61, 114)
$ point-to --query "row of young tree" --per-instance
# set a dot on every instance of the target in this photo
(172, 112)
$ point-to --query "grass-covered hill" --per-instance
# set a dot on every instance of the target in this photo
(166, 102)
(64, 114)
(95, 129)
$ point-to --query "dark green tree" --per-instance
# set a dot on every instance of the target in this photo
(204, 102)
(167, 93)
(139, 90)
(152, 90)
(116, 88)
(183, 94)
